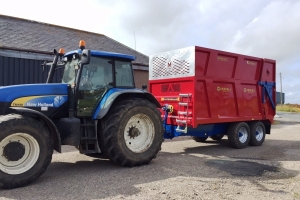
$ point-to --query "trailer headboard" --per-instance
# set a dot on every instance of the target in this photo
(173, 64)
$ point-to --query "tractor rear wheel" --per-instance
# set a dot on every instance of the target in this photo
(132, 132)
(25, 150)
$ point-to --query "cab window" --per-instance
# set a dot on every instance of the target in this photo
(124, 76)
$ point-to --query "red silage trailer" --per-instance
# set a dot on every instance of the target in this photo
(210, 93)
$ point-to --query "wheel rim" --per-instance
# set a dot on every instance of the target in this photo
(259, 133)
(139, 133)
(243, 134)
(18, 153)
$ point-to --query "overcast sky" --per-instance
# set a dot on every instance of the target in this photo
(263, 28)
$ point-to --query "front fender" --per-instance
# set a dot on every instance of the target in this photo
(110, 97)
(50, 125)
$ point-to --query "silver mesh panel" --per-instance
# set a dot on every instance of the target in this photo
(172, 64)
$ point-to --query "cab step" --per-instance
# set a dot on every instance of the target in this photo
(89, 137)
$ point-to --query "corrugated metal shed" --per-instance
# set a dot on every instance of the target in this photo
(18, 70)
(278, 98)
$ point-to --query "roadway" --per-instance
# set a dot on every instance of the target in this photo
(183, 169)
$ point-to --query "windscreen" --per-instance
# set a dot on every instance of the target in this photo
(69, 71)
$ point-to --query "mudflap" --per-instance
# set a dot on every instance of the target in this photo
(69, 129)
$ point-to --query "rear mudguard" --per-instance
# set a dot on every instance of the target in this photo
(50, 125)
(115, 93)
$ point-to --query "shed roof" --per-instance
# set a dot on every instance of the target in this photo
(36, 36)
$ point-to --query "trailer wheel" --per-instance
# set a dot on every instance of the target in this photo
(132, 132)
(200, 139)
(25, 150)
(217, 137)
(257, 133)
(239, 135)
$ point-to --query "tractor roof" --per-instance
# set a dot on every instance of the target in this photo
(105, 54)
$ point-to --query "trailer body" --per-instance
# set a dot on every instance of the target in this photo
(207, 90)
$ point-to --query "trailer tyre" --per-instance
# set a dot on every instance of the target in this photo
(217, 137)
(200, 139)
(25, 150)
(257, 133)
(132, 132)
(239, 135)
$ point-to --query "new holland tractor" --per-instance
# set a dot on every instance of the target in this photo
(95, 108)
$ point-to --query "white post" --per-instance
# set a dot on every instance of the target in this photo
(280, 89)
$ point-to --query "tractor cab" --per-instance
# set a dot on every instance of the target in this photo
(92, 73)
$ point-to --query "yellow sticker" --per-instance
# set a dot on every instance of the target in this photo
(251, 63)
(169, 99)
(223, 89)
(248, 90)
(222, 59)
(21, 101)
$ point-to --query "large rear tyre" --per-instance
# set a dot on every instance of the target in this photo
(257, 133)
(132, 132)
(239, 135)
(199, 139)
(25, 150)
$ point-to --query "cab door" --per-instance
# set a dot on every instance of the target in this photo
(95, 79)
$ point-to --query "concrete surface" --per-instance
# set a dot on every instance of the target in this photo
(184, 169)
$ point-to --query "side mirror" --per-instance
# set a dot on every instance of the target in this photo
(85, 56)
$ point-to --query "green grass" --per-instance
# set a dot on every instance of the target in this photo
(289, 108)
(296, 195)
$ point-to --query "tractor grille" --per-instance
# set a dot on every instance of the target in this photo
(173, 64)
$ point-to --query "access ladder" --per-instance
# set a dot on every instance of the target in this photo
(184, 114)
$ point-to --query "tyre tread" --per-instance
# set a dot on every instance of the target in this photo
(233, 136)
(253, 141)
(8, 122)
(109, 141)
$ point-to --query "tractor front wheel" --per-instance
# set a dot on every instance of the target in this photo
(25, 150)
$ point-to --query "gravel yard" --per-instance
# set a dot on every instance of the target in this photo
(183, 169)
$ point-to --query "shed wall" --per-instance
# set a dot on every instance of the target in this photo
(17, 67)
(278, 98)
(15, 71)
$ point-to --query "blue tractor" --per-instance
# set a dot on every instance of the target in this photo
(95, 108)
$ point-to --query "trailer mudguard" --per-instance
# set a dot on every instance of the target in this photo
(116, 93)
(50, 125)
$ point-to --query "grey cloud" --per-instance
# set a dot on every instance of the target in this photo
(275, 34)
(268, 29)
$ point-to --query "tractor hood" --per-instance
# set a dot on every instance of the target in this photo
(34, 95)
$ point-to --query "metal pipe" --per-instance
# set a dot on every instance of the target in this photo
(53, 67)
